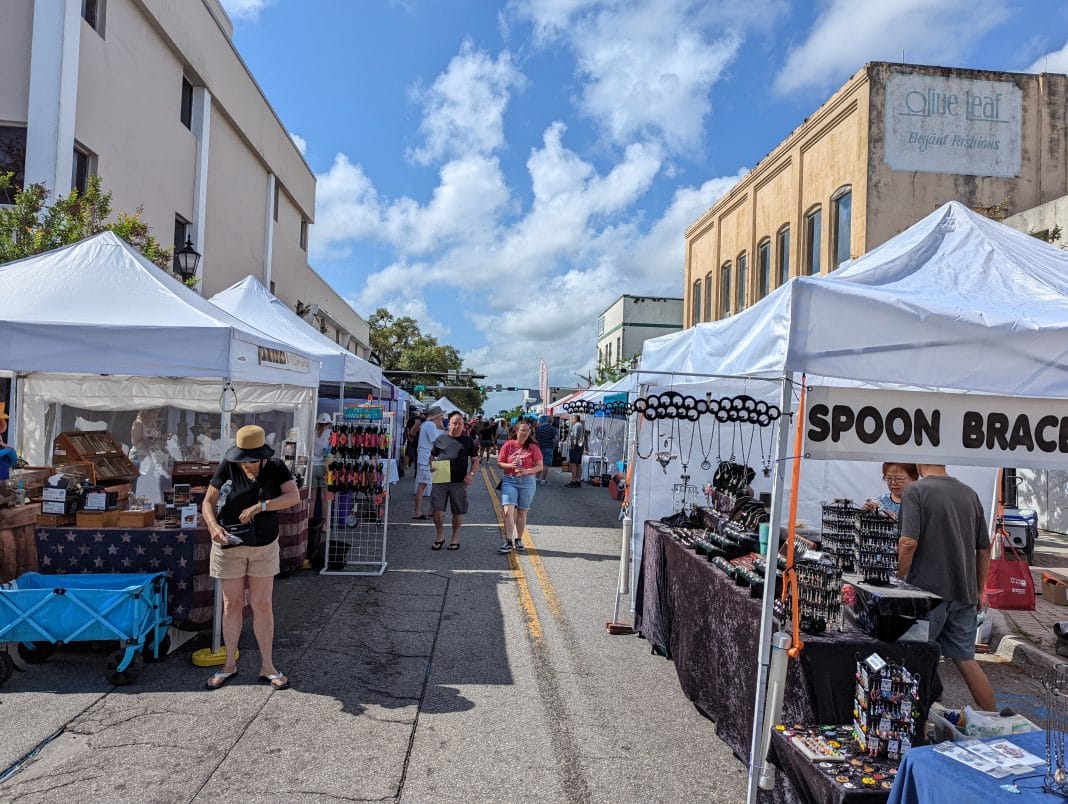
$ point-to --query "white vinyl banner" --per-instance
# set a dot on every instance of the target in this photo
(920, 427)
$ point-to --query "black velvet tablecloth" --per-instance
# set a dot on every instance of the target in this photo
(710, 628)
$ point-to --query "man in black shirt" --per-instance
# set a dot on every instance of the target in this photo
(462, 454)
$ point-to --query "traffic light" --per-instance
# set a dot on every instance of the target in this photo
(497, 387)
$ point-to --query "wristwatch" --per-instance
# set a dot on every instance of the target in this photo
(263, 506)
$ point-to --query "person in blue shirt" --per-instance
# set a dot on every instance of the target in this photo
(898, 477)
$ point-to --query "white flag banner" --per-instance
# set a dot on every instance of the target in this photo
(921, 427)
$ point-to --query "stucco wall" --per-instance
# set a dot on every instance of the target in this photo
(145, 158)
(16, 29)
(898, 198)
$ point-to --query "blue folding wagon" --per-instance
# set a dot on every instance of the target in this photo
(41, 612)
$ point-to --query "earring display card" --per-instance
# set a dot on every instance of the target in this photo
(886, 710)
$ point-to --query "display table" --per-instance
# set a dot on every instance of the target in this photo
(593, 465)
(927, 776)
(693, 613)
(183, 553)
(799, 780)
(18, 552)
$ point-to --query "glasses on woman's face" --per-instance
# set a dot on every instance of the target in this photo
(895, 479)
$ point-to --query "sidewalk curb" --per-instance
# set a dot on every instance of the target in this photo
(1026, 657)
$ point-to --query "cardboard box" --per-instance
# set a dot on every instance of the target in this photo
(190, 519)
(137, 519)
(51, 494)
(98, 519)
(1055, 588)
(99, 499)
(59, 508)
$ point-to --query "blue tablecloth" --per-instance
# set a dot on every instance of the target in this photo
(926, 776)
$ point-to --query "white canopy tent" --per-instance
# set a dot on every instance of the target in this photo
(955, 304)
(97, 324)
(251, 302)
(446, 406)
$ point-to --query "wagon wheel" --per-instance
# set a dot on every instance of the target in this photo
(7, 667)
(127, 676)
(164, 649)
(35, 652)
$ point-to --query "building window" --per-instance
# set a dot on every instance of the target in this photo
(93, 13)
(725, 290)
(763, 268)
(741, 290)
(303, 234)
(709, 292)
(277, 190)
(181, 232)
(600, 326)
(187, 104)
(272, 287)
(842, 205)
(619, 349)
(695, 303)
(12, 160)
(784, 255)
(81, 170)
(812, 242)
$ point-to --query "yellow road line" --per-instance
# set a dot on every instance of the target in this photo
(542, 574)
(526, 600)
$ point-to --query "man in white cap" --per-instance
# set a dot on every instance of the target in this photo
(424, 479)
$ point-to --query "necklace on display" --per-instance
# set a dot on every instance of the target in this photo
(706, 464)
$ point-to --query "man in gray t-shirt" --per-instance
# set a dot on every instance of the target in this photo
(944, 548)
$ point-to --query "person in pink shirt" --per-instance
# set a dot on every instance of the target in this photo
(521, 461)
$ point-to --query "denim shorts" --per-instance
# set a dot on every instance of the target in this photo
(518, 491)
(547, 454)
(953, 626)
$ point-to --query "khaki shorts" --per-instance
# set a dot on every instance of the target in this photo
(237, 562)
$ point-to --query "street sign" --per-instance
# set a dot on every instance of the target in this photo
(420, 388)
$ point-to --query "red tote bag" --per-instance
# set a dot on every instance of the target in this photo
(1009, 586)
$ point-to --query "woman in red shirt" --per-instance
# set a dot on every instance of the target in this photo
(521, 461)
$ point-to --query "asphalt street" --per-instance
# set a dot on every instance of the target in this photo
(455, 676)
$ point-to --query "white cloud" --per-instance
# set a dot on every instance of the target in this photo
(464, 108)
(245, 9)
(1053, 62)
(847, 34)
(300, 142)
(648, 67)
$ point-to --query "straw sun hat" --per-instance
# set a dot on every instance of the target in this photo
(251, 446)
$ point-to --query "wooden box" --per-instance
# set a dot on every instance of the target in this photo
(56, 520)
(33, 479)
(137, 519)
(99, 448)
(97, 519)
(195, 473)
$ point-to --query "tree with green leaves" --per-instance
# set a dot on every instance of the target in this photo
(32, 225)
(402, 346)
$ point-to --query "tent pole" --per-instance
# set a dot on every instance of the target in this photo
(623, 584)
(757, 760)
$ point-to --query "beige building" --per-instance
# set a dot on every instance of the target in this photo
(895, 142)
(152, 96)
(632, 320)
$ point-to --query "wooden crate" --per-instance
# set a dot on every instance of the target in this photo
(100, 448)
(33, 479)
(97, 519)
(56, 520)
(136, 519)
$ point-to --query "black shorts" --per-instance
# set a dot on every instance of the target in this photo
(453, 495)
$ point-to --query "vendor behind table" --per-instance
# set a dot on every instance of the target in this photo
(898, 477)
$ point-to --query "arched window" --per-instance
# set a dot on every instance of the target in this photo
(783, 247)
(763, 267)
(710, 291)
(813, 225)
(695, 305)
(741, 290)
(841, 220)
(725, 290)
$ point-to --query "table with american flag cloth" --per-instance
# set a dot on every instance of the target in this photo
(182, 553)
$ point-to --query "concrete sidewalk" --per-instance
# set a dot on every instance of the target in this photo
(1026, 637)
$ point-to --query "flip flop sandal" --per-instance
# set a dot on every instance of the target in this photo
(437, 545)
(273, 677)
(221, 679)
(424, 516)
(454, 546)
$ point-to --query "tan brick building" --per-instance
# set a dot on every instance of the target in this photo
(892, 144)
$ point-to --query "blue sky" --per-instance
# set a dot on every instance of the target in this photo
(503, 171)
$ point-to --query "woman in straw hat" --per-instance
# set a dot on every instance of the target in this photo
(256, 486)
